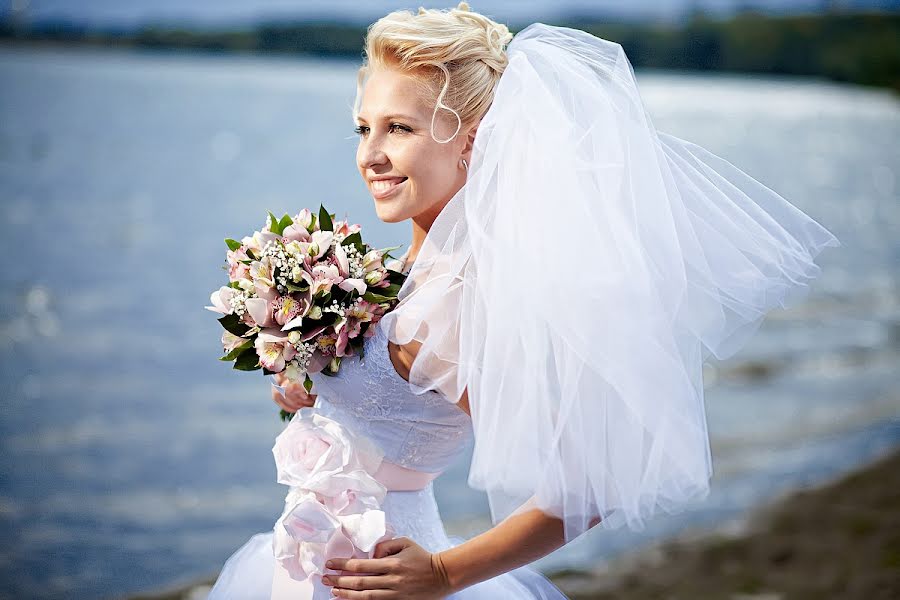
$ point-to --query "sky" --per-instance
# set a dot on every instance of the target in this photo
(244, 12)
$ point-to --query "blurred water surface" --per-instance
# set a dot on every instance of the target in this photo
(131, 459)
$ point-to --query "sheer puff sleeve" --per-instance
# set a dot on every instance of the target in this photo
(578, 280)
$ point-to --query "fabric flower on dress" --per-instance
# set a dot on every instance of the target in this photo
(334, 505)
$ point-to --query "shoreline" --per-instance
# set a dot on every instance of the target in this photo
(837, 540)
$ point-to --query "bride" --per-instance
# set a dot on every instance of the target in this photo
(570, 270)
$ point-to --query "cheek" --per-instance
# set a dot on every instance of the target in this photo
(431, 171)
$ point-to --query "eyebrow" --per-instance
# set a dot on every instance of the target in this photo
(389, 117)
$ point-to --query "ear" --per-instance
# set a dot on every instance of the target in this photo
(470, 142)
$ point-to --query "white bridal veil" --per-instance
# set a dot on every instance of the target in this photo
(578, 280)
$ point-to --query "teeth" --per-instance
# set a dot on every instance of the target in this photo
(385, 184)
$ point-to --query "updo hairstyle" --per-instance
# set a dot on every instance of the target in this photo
(456, 55)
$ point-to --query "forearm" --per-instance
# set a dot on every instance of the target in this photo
(518, 540)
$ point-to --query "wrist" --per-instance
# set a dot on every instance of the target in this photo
(439, 567)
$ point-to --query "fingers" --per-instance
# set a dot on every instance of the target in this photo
(280, 401)
(296, 394)
(294, 398)
(366, 594)
(378, 566)
(360, 582)
(392, 546)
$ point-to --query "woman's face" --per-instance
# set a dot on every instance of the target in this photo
(407, 172)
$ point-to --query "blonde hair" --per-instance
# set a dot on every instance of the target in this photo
(463, 49)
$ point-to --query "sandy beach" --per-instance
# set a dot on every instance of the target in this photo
(837, 541)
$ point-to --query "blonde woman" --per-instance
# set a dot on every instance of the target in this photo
(570, 270)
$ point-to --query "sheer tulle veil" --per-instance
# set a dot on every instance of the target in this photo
(578, 280)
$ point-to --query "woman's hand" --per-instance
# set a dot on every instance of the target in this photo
(295, 396)
(400, 569)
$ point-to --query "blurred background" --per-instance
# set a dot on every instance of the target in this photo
(137, 134)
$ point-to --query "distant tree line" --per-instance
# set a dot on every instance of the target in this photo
(862, 48)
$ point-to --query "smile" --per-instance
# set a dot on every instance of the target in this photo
(383, 188)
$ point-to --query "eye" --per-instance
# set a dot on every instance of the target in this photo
(363, 130)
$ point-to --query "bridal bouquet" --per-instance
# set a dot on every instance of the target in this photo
(303, 293)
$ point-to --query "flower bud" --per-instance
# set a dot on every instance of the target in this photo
(294, 337)
(315, 313)
(292, 371)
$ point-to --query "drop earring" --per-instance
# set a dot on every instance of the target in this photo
(465, 164)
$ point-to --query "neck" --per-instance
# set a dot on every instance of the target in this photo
(421, 225)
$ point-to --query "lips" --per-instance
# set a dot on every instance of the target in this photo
(381, 188)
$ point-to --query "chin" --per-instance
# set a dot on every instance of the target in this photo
(388, 213)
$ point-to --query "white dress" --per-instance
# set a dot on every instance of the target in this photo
(421, 432)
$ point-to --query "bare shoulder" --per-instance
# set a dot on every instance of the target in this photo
(402, 357)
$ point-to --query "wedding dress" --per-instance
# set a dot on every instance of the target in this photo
(424, 433)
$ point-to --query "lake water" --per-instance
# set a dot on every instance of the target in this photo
(131, 459)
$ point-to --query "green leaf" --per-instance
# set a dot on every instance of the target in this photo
(275, 227)
(247, 360)
(391, 290)
(396, 277)
(285, 415)
(232, 244)
(250, 254)
(233, 324)
(285, 222)
(234, 353)
(234, 284)
(376, 298)
(312, 222)
(293, 287)
(325, 223)
(307, 383)
(354, 238)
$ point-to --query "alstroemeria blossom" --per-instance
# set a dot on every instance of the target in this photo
(221, 300)
(274, 349)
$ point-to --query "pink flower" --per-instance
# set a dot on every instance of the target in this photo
(296, 233)
(258, 241)
(343, 263)
(288, 308)
(263, 272)
(334, 505)
(231, 341)
(236, 269)
(303, 219)
(260, 310)
(349, 326)
(221, 300)
(324, 276)
(314, 448)
(319, 244)
(342, 229)
(273, 349)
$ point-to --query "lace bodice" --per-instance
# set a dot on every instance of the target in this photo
(423, 432)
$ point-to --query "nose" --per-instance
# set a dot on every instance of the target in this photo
(370, 154)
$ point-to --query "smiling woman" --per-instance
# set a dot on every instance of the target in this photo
(370, 496)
